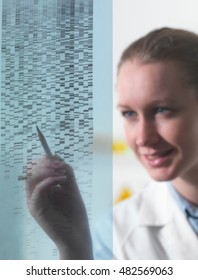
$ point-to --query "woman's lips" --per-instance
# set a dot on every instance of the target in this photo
(159, 159)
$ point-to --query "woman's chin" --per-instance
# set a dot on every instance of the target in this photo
(162, 174)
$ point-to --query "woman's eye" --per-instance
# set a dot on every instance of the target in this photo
(127, 114)
(162, 110)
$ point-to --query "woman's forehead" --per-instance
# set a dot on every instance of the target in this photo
(158, 74)
(153, 81)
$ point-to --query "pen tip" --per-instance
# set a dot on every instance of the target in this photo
(38, 130)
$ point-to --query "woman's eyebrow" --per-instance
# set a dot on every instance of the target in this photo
(120, 106)
(163, 100)
(152, 101)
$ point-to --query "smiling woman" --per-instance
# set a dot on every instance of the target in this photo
(157, 87)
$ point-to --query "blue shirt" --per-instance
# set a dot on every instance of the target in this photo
(189, 210)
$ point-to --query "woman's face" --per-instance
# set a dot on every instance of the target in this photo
(160, 117)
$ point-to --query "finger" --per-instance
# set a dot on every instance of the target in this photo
(46, 185)
(56, 156)
(42, 174)
(45, 162)
(54, 165)
(39, 166)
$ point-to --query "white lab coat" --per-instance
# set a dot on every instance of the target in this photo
(151, 226)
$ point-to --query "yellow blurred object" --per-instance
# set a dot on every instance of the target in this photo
(119, 147)
(125, 193)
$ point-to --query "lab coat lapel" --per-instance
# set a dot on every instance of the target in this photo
(175, 234)
(155, 207)
(179, 238)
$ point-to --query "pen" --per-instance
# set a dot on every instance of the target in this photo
(45, 147)
(44, 143)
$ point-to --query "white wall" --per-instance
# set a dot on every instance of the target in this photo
(131, 20)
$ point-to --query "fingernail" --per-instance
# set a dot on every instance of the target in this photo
(58, 187)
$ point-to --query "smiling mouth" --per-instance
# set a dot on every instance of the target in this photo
(159, 159)
(159, 154)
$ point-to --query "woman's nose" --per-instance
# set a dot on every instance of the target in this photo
(146, 133)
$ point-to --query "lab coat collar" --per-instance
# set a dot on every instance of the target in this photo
(155, 209)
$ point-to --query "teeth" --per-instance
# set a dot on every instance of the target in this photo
(153, 157)
(159, 155)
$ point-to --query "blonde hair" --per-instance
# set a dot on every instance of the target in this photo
(167, 44)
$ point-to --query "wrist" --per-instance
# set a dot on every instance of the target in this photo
(76, 252)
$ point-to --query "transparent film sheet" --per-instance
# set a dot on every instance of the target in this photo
(47, 80)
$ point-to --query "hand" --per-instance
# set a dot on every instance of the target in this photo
(54, 200)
